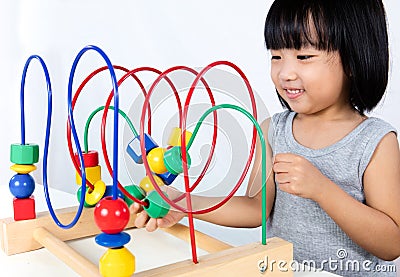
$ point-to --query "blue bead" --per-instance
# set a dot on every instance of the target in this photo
(22, 185)
(108, 192)
(167, 177)
(112, 240)
(133, 148)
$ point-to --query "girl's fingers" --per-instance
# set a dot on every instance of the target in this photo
(151, 225)
(141, 219)
(282, 178)
(281, 167)
(135, 208)
(283, 157)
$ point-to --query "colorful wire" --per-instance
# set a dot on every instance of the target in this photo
(88, 121)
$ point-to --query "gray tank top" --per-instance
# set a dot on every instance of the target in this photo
(318, 241)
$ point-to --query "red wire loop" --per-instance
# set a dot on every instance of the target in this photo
(75, 98)
(182, 123)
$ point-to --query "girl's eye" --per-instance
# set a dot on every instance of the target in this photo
(275, 57)
(304, 57)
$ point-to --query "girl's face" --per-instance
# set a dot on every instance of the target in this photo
(311, 81)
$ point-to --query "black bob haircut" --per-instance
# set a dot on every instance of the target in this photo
(356, 29)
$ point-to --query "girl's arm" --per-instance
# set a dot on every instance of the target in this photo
(239, 211)
(376, 225)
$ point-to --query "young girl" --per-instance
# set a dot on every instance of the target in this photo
(336, 185)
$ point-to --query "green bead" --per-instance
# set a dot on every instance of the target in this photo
(157, 207)
(173, 160)
(78, 195)
(136, 192)
(24, 153)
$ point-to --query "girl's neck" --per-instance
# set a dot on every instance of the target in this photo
(323, 129)
(344, 113)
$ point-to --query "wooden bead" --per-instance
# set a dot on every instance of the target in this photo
(175, 137)
(23, 168)
(111, 216)
(78, 196)
(109, 192)
(112, 240)
(167, 177)
(118, 262)
(157, 207)
(173, 160)
(24, 208)
(147, 185)
(24, 153)
(92, 197)
(136, 192)
(133, 148)
(93, 174)
(22, 185)
(155, 158)
(91, 158)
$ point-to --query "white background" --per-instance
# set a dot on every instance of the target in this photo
(156, 33)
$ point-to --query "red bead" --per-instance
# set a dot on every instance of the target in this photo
(24, 208)
(111, 216)
(91, 158)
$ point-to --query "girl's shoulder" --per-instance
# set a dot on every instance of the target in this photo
(376, 128)
(282, 117)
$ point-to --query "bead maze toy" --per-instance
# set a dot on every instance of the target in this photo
(106, 207)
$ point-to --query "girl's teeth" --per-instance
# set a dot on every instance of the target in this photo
(294, 91)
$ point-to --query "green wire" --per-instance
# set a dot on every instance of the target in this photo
(94, 113)
(222, 106)
(263, 160)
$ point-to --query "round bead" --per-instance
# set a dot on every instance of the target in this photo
(117, 262)
(109, 192)
(22, 185)
(173, 160)
(136, 192)
(93, 196)
(157, 207)
(147, 185)
(111, 216)
(112, 240)
(91, 158)
(78, 196)
(24, 153)
(155, 158)
(23, 168)
(175, 137)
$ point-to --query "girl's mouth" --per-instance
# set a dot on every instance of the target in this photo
(293, 93)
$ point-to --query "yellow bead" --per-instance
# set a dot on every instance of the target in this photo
(155, 158)
(147, 185)
(118, 262)
(95, 195)
(175, 137)
(93, 174)
(23, 168)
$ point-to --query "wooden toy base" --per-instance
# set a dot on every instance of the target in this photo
(27, 235)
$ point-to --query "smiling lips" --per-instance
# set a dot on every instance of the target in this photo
(293, 93)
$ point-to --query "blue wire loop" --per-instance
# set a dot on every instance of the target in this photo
(22, 92)
(116, 111)
(73, 129)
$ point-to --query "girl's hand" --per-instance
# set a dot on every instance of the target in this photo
(297, 176)
(152, 224)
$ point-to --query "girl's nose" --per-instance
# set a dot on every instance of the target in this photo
(287, 72)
